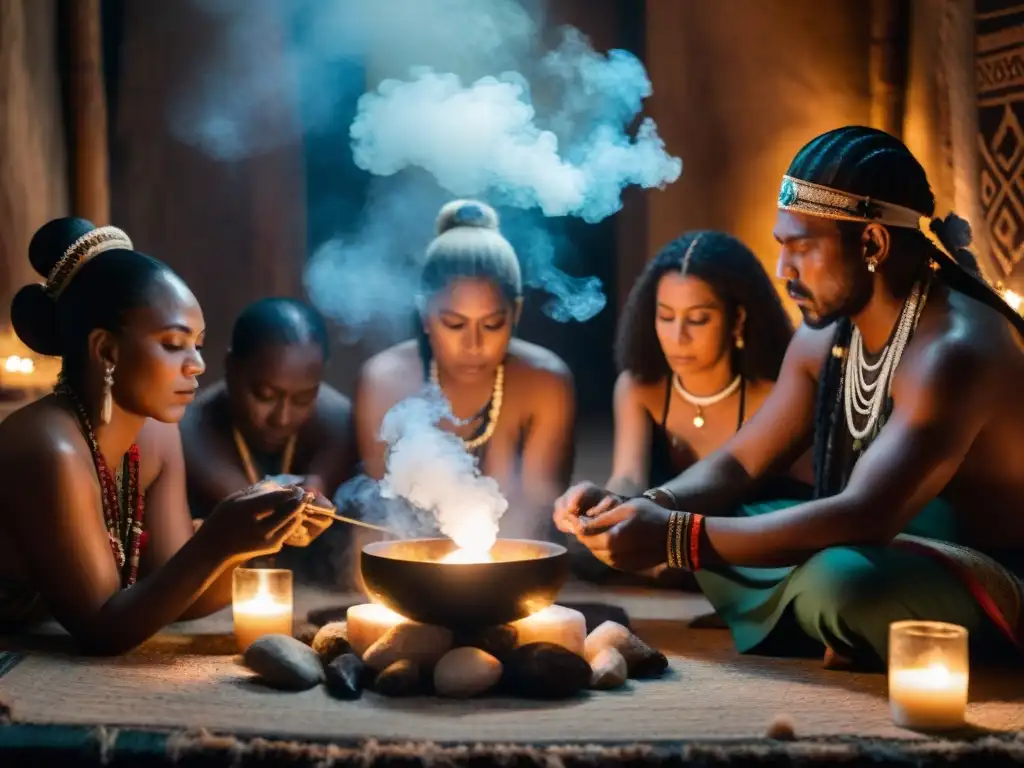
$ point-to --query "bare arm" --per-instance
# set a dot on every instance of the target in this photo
(547, 451)
(214, 470)
(333, 441)
(773, 437)
(632, 457)
(940, 408)
(369, 410)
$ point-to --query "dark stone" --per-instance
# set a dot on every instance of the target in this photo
(403, 678)
(545, 671)
(345, 677)
(284, 662)
(596, 614)
(497, 641)
(305, 632)
(332, 641)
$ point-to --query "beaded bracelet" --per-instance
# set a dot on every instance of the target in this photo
(683, 544)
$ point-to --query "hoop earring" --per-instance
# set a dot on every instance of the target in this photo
(107, 409)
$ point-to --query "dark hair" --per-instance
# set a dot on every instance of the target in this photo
(468, 244)
(872, 163)
(277, 321)
(736, 276)
(96, 296)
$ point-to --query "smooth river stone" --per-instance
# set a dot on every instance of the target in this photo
(641, 659)
(284, 662)
(367, 623)
(423, 644)
(403, 678)
(345, 677)
(555, 624)
(609, 670)
(465, 672)
(498, 640)
(331, 641)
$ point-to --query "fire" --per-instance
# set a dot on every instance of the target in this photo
(467, 555)
(474, 537)
(17, 364)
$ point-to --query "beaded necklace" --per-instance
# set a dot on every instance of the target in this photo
(123, 504)
(497, 395)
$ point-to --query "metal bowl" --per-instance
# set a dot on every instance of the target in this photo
(523, 577)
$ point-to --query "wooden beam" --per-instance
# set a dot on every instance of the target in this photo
(88, 106)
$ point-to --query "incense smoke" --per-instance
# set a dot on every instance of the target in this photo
(461, 101)
(430, 469)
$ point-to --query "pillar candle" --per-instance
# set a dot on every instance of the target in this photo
(555, 624)
(367, 623)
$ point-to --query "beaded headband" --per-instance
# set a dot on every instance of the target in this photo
(813, 199)
(85, 248)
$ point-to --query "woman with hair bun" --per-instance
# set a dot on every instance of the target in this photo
(513, 400)
(97, 529)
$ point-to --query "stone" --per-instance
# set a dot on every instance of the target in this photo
(545, 671)
(345, 676)
(403, 678)
(465, 672)
(284, 662)
(369, 622)
(641, 659)
(304, 632)
(555, 624)
(608, 670)
(332, 641)
(423, 644)
(781, 728)
(498, 641)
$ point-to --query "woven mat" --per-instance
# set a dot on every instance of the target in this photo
(181, 680)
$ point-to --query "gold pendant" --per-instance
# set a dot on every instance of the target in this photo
(698, 420)
(857, 445)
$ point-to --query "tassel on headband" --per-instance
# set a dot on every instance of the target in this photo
(85, 248)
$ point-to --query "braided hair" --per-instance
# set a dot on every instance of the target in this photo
(871, 163)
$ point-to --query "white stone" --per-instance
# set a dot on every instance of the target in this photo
(609, 669)
(465, 672)
(367, 623)
(555, 624)
(423, 644)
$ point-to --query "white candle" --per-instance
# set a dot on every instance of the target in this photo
(262, 604)
(366, 624)
(554, 624)
(929, 697)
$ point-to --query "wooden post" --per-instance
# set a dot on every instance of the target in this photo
(887, 65)
(88, 103)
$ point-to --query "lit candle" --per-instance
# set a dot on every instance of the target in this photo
(1013, 299)
(928, 675)
(261, 604)
(555, 624)
(366, 623)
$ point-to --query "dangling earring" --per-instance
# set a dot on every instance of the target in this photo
(872, 263)
(739, 341)
(107, 409)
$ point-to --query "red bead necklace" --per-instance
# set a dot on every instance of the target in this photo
(125, 531)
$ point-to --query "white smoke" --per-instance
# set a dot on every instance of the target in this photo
(431, 469)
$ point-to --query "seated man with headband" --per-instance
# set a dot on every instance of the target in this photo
(905, 378)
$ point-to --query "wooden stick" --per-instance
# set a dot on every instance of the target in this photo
(350, 520)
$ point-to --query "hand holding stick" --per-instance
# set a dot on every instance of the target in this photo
(329, 512)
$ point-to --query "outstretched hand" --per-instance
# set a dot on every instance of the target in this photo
(629, 535)
(581, 501)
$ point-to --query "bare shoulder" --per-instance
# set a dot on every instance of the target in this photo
(533, 365)
(389, 376)
(159, 444)
(45, 439)
(629, 390)
(809, 349)
(959, 341)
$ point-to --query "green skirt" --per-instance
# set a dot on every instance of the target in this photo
(844, 598)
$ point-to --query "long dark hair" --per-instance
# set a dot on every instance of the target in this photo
(736, 276)
(872, 163)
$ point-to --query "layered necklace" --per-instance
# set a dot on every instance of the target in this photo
(497, 394)
(865, 399)
(700, 403)
(250, 466)
(123, 503)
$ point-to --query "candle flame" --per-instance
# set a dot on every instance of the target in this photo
(1014, 299)
(18, 364)
(263, 603)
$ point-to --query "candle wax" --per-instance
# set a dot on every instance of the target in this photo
(928, 697)
(261, 615)
(366, 623)
(554, 624)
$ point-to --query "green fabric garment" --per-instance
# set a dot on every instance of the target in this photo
(846, 597)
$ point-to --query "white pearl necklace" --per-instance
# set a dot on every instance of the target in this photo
(700, 403)
(867, 399)
(497, 395)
